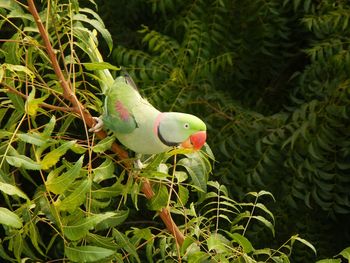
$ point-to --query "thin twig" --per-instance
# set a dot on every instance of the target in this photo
(87, 118)
(43, 104)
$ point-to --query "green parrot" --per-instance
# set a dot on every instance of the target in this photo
(141, 127)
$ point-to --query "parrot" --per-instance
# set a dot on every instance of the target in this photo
(141, 127)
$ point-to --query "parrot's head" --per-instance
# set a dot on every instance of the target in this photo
(181, 129)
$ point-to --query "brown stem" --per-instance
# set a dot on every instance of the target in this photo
(86, 116)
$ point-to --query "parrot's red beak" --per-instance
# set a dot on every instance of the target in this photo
(195, 141)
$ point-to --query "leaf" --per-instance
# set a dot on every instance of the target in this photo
(266, 223)
(183, 195)
(9, 218)
(160, 199)
(49, 127)
(305, 242)
(218, 243)
(22, 161)
(32, 104)
(99, 66)
(345, 253)
(110, 191)
(33, 138)
(18, 68)
(124, 242)
(104, 171)
(12, 190)
(116, 219)
(79, 229)
(338, 260)
(197, 172)
(59, 184)
(242, 241)
(103, 145)
(87, 253)
(76, 198)
(98, 25)
(53, 157)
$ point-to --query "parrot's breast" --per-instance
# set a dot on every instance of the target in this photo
(143, 139)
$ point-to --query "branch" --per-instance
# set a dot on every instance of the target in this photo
(87, 118)
(43, 104)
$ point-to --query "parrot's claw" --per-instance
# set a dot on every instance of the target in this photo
(98, 125)
(139, 165)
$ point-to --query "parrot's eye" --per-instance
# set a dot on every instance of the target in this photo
(186, 126)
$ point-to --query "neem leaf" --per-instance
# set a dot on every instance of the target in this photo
(32, 103)
(79, 229)
(197, 171)
(32, 138)
(103, 145)
(124, 242)
(59, 184)
(87, 253)
(104, 171)
(305, 242)
(53, 157)
(218, 243)
(242, 241)
(76, 198)
(10, 189)
(99, 66)
(160, 199)
(346, 253)
(23, 162)
(9, 218)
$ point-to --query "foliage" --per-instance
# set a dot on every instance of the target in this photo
(272, 79)
(65, 196)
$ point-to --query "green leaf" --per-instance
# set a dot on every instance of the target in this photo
(12, 190)
(160, 199)
(98, 25)
(103, 145)
(124, 242)
(9, 218)
(338, 260)
(198, 257)
(100, 66)
(218, 243)
(59, 184)
(197, 172)
(33, 138)
(49, 127)
(76, 198)
(53, 157)
(22, 161)
(18, 68)
(79, 229)
(116, 219)
(104, 171)
(266, 223)
(305, 242)
(32, 104)
(183, 195)
(110, 191)
(87, 253)
(242, 241)
(345, 253)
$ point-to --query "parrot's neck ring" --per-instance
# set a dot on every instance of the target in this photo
(157, 132)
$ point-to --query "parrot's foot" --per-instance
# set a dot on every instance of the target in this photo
(137, 163)
(98, 126)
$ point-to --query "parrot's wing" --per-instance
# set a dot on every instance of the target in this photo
(120, 119)
(118, 107)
